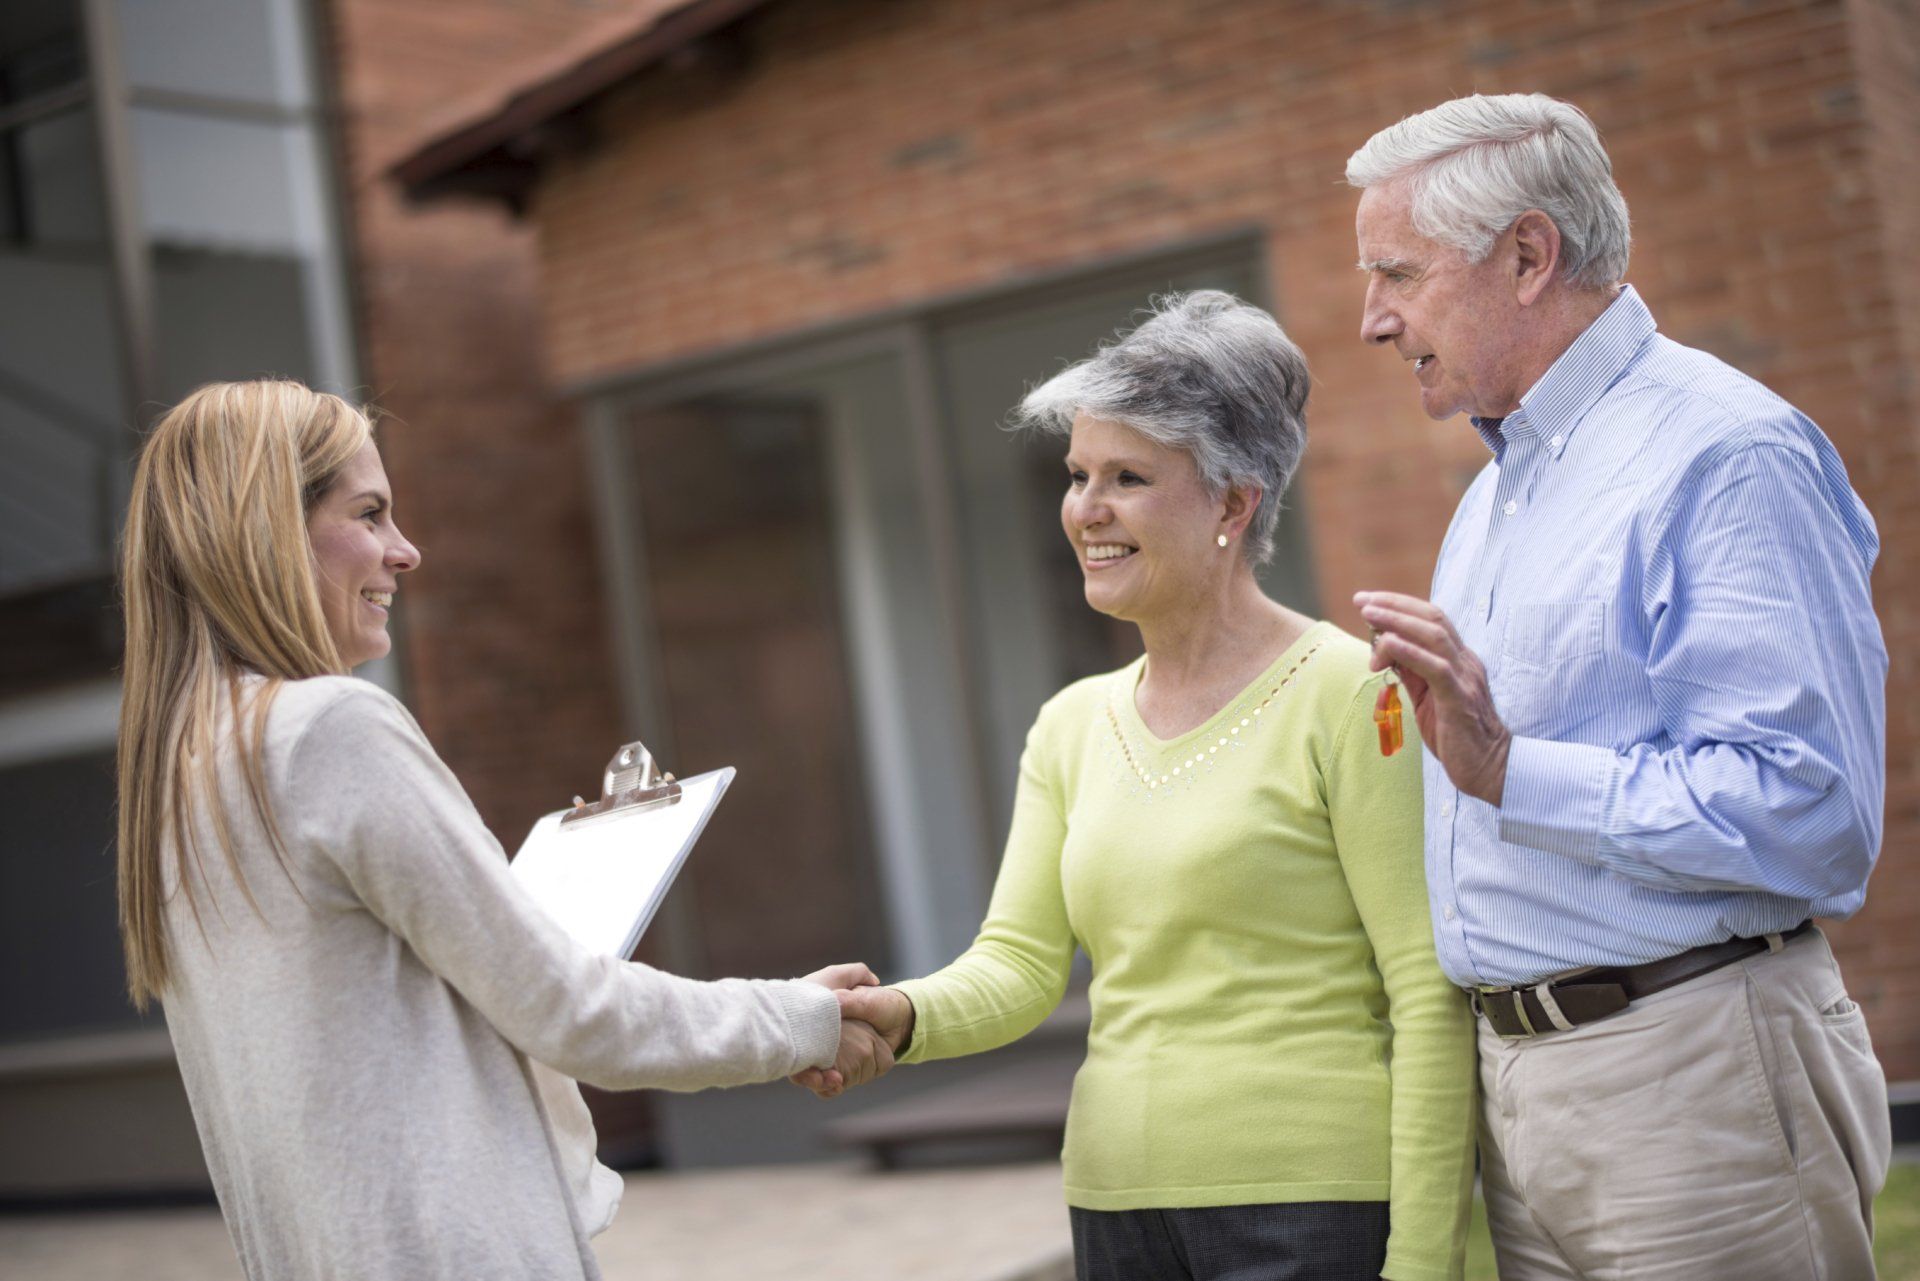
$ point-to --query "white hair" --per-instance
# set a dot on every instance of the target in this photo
(1204, 373)
(1476, 164)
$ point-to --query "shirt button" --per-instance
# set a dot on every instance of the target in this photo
(1511, 507)
(1446, 809)
(1484, 604)
(1447, 911)
(1557, 441)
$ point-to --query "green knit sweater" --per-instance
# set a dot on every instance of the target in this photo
(1269, 1021)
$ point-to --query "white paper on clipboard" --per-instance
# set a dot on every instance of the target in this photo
(604, 881)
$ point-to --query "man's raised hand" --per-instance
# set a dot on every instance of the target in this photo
(1448, 685)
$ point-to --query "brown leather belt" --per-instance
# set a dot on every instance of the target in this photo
(1562, 1004)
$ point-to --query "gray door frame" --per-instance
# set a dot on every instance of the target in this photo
(923, 936)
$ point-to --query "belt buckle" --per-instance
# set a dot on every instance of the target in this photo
(1476, 996)
(1516, 1001)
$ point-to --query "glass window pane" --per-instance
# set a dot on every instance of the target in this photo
(746, 603)
(59, 635)
(41, 47)
(60, 372)
(242, 49)
(229, 315)
(50, 183)
(57, 900)
(52, 526)
(231, 211)
(213, 183)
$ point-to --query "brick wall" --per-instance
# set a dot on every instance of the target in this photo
(1887, 49)
(505, 639)
(868, 154)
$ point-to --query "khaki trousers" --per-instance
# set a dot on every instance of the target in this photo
(1733, 1127)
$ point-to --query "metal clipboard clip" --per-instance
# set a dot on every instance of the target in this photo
(633, 782)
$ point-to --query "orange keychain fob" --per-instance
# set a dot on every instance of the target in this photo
(1386, 715)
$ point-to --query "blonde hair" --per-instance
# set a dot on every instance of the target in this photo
(218, 581)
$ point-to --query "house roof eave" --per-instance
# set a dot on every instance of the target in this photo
(494, 151)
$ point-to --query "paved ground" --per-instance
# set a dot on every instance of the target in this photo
(812, 1223)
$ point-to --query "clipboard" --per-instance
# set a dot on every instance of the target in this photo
(601, 869)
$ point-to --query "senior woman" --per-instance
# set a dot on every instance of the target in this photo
(375, 1027)
(1278, 1078)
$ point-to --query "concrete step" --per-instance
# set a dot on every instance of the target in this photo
(806, 1222)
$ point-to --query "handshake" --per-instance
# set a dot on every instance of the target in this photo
(875, 1022)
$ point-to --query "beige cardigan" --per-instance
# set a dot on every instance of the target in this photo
(364, 1055)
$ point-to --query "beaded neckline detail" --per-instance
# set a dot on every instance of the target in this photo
(1202, 753)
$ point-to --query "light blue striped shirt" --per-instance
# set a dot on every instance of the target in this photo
(1665, 571)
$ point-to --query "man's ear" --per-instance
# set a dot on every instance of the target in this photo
(1536, 255)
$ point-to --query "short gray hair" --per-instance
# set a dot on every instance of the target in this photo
(1476, 164)
(1204, 373)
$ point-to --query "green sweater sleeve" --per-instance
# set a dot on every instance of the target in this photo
(1374, 804)
(1015, 973)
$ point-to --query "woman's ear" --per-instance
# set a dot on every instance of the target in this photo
(1238, 509)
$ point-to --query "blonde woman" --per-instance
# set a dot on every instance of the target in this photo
(374, 1027)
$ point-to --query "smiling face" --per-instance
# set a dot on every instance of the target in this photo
(1141, 521)
(1456, 321)
(358, 556)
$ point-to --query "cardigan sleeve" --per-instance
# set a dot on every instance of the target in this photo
(1374, 805)
(364, 794)
(1016, 971)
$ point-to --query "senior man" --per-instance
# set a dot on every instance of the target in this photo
(1652, 691)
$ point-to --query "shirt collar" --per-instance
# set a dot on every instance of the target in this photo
(1554, 406)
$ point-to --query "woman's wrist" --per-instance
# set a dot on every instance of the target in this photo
(900, 1043)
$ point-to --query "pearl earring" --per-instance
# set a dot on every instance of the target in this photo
(1222, 540)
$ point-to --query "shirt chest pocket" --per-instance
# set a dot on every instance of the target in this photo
(1548, 647)
(1548, 633)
